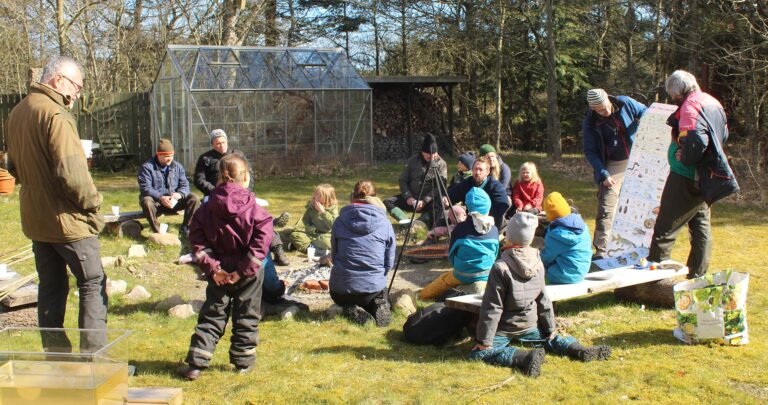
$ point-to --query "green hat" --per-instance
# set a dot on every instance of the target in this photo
(486, 149)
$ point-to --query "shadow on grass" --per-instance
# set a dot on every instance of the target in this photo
(127, 309)
(170, 367)
(642, 338)
(589, 303)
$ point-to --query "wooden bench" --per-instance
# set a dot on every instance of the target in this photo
(593, 283)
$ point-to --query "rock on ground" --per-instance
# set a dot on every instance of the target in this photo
(404, 300)
(116, 287)
(182, 311)
(164, 239)
(334, 310)
(138, 293)
(137, 251)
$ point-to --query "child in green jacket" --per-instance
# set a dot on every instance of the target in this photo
(316, 224)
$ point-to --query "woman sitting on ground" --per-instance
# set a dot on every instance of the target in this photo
(363, 251)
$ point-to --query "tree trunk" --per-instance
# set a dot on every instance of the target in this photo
(657, 73)
(229, 22)
(553, 112)
(403, 37)
(61, 27)
(499, 68)
(271, 34)
(630, 21)
(376, 38)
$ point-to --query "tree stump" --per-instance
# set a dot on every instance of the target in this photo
(657, 293)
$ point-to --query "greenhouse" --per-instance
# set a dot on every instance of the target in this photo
(283, 107)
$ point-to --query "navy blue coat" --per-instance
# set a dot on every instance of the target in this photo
(499, 203)
(362, 248)
(595, 135)
(153, 182)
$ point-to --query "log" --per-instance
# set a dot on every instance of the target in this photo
(23, 296)
(657, 293)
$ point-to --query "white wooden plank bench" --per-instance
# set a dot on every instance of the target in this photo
(593, 283)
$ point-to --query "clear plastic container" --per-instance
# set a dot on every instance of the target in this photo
(74, 366)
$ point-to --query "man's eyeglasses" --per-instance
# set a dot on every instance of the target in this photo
(78, 87)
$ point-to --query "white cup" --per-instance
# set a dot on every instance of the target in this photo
(115, 210)
(163, 228)
(3, 268)
(173, 202)
(311, 253)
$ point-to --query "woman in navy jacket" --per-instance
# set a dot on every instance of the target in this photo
(363, 251)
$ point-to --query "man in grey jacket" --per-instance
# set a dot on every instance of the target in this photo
(516, 309)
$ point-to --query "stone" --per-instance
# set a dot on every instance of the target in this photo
(138, 293)
(311, 285)
(116, 287)
(404, 300)
(137, 251)
(108, 261)
(324, 284)
(288, 313)
(170, 302)
(164, 239)
(334, 310)
(182, 311)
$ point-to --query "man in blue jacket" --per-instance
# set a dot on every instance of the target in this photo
(481, 177)
(609, 129)
(164, 188)
(699, 174)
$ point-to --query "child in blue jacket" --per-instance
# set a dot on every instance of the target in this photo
(474, 247)
(567, 252)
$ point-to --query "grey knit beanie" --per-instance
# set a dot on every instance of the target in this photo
(216, 133)
(521, 228)
(596, 97)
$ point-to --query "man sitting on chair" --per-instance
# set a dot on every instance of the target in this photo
(164, 188)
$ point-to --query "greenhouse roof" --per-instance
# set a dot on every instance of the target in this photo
(232, 68)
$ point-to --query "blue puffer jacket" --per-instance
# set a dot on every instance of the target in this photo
(474, 247)
(362, 249)
(567, 250)
(595, 135)
(154, 183)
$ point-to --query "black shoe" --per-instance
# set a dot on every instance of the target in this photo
(279, 256)
(383, 313)
(245, 370)
(190, 373)
(532, 364)
(282, 220)
(356, 314)
(586, 354)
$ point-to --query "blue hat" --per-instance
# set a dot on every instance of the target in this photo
(467, 159)
(477, 200)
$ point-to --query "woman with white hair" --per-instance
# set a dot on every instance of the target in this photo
(699, 172)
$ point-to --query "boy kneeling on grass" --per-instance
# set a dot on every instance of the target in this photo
(230, 238)
(516, 309)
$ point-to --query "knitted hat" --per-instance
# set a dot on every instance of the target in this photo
(216, 133)
(596, 97)
(555, 206)
(429, 144)
(477, 200)
(165, 147)
(467, 159)
(521, 228)
(486, 149)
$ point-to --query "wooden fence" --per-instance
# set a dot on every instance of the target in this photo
(103, 115)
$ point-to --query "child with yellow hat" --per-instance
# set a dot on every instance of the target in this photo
(567, 252)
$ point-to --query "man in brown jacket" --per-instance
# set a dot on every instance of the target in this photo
(59, 202)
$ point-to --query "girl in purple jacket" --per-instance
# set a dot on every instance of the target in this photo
(230, 238)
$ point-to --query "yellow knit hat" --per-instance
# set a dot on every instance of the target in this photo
(555, 206)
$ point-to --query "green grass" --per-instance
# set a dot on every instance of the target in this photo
(320, 360)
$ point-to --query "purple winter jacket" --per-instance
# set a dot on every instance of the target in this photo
(230, 231)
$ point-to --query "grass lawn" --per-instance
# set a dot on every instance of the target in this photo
(314, 359)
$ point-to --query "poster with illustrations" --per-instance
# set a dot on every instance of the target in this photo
(638, 204)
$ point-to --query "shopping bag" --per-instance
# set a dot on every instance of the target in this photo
(713, 308)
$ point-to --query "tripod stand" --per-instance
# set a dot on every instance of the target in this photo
(442, 192)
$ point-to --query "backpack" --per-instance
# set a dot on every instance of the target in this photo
(435, 325)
